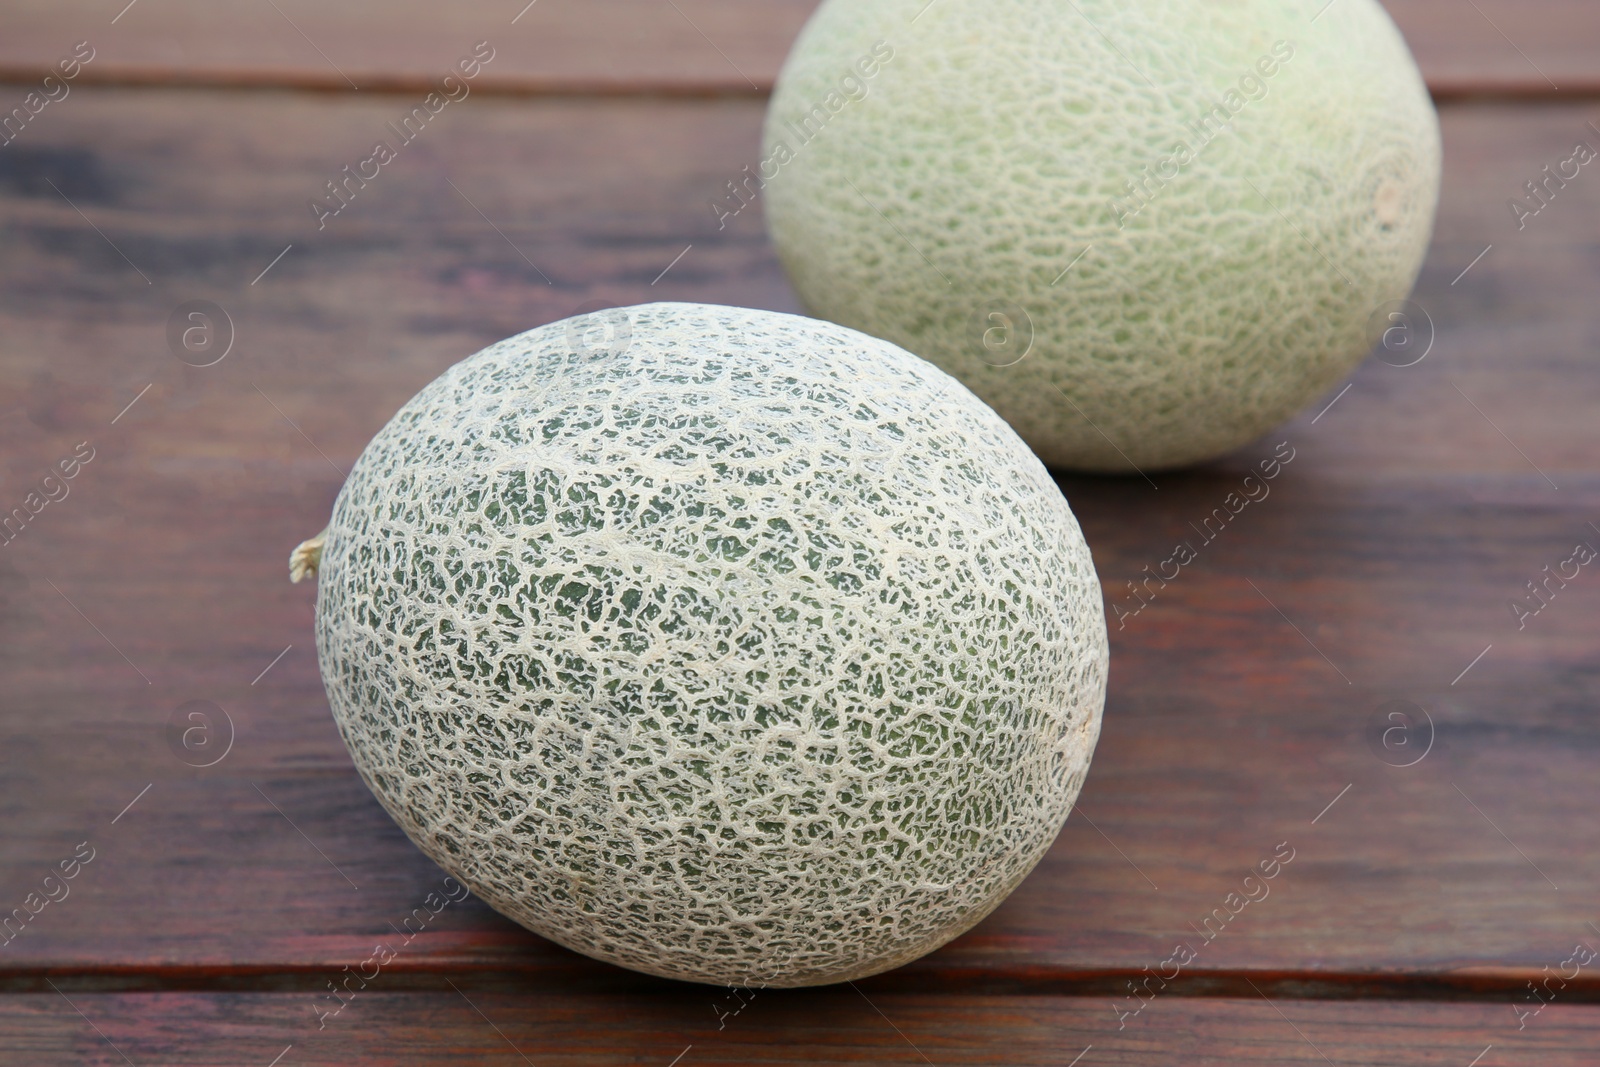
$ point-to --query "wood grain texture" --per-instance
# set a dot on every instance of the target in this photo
(1378, 569)
(727, 46)
(838, 1025)
(1489, 47)
(1503, 47)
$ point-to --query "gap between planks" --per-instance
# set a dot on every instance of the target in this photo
(373, 84)
(1443, 90)
(1481, 984)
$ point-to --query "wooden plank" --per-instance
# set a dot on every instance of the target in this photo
(1393, 542)
(1496, 47)
(679, 1025)
(1503, 47)
(552, 45)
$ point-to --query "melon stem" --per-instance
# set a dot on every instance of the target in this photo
(307, 557)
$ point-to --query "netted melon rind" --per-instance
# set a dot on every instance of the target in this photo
(994, 150)
(747, 650)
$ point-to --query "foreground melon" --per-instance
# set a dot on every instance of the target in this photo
(1144, 231)
(720, 644)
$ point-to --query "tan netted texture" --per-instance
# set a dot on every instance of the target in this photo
(720, 644)
(1237, 189)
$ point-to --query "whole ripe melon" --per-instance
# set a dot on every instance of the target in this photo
(720, 644)
(1144, 231)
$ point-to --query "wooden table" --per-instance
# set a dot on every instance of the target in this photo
(1247, 702)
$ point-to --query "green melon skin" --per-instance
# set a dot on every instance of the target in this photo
(938, 202)
(723, 645)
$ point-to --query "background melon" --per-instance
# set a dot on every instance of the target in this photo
(1144, 231)
(720, 644)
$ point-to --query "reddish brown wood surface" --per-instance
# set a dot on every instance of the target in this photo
(1393, 541)
(1521, 47)
(841, 1025)
(1495, 47)
(634, 46)
(1379, 569)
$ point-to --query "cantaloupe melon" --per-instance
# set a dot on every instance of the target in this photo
(731, 646)
(1144, 231)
